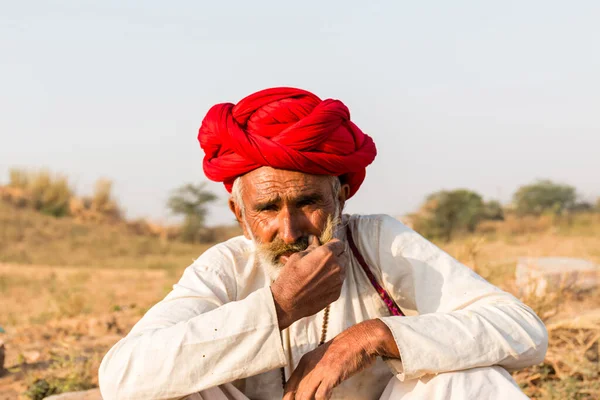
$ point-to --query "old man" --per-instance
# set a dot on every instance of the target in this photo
(310, 303)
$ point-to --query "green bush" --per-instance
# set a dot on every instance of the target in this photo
(544, 196)
(492, 210)
(446, 212)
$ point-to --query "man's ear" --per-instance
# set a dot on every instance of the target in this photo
(342, 196)
(237, 211)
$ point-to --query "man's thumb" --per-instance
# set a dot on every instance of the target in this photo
(313, 242)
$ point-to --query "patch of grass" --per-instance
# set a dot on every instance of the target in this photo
(8, 281)
(66, 374)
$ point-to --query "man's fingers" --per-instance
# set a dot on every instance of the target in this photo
(289, 396)
(324, 391)
(313, 242)
(336, 246)
(292, 384)
(308, 387)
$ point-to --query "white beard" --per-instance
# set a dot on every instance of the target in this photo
(273, 269)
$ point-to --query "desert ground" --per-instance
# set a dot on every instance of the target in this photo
(70, 289)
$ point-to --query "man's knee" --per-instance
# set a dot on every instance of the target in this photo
(477, 383)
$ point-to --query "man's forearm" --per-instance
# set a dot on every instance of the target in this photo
(496, 330)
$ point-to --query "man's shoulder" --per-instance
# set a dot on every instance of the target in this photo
(232, 250)
(374, 221)
(375, 230)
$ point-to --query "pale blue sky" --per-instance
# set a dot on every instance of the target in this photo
(472, 94)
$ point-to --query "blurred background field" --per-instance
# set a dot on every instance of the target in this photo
(72, 283)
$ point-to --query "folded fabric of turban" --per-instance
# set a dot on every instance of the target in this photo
(284, 128)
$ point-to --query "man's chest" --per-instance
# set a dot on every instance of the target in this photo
(358, 302)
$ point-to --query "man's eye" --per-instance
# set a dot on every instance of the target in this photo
(268, 207)
(305, 203)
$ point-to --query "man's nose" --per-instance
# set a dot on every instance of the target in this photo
(289, 227)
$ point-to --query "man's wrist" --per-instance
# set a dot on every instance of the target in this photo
(284, 319)
(380, 341)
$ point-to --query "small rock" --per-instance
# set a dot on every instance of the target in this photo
(93, 394)
(542, 275)
(32, 357)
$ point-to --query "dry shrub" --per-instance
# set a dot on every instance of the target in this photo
(571, 369)
(469, 251)
(143, 227)
(574, 350)
(215, 234)
(580, 223)
(102, 200)
(548, 305)
(18, 178)
(221, 233)
(41, 190)
(517, 225)
(99, 207)
(14, 195)
(51, 194)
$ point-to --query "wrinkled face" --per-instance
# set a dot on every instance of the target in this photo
(281, 209)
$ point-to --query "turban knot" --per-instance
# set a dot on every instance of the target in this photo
(284, 128)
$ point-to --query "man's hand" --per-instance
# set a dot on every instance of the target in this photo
(353, 350)
(309, 281)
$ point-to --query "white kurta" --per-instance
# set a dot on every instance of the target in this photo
(219, 324)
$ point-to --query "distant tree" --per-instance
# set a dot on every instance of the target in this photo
(446, 212)
(598, 205)
(191, 201)
(544, 196)
(492, 210)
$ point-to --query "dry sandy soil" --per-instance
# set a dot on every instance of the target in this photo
(59, 321)
(62, 320)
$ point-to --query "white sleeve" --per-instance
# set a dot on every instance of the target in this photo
(463, 321)
(194, 339)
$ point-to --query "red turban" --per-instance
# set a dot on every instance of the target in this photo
(284, 128)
